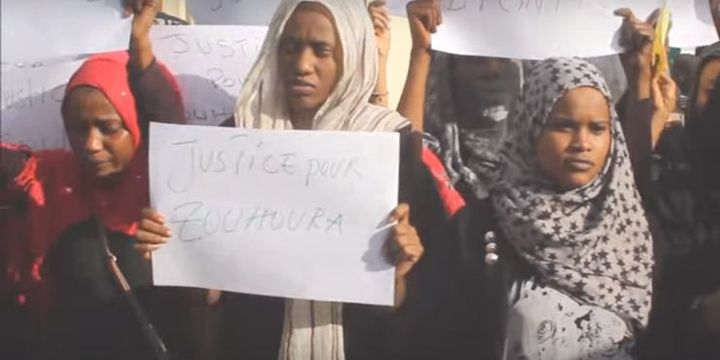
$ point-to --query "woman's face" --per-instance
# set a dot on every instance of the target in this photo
(97, 134)
(310, 57)
(574, 145)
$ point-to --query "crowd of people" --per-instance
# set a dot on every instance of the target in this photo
(553, 209)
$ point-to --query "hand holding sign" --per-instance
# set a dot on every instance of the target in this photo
(635, 34)
(153, 232)
(424, 17)
(404, 249)
(636, 37)
(381, 24)
(664, 94)
(145, 12)
(141, 53)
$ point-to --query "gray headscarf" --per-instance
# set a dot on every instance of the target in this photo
(593, 242)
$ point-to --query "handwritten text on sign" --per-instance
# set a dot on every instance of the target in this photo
(210, 63)
(31, 100)
(294, 214)
(538, 29)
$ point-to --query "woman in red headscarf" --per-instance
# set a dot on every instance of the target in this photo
(79, 206)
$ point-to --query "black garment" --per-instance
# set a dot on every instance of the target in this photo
(252, 325)
(167, 19)
(90, 318)
(466, 301)
(684, 208)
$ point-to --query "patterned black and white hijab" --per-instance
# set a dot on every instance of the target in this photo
(593, 242)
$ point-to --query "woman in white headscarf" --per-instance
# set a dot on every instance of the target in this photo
(317, 70)
(274, 96)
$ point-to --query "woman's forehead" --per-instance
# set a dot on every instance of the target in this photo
(308, 20)
(84, 94)
(315, 8)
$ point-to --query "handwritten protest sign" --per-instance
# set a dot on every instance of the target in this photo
(31, 100)
(254, 12)
(41, 29)
(537, 29)
(232, 12)
(294, 214)
(210, 63)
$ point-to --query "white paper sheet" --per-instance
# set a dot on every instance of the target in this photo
(538, 29)
(232, 12)
(209, 62)
(44, 29)
(31, 100)
(280, 213)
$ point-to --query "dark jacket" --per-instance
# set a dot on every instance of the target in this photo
(466, 299)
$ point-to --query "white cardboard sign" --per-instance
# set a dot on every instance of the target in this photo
(297, 214)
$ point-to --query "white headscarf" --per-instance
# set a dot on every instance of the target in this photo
(313, 329)
(262, 103)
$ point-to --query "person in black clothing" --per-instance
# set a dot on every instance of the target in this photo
(685, 205)
(680, 195)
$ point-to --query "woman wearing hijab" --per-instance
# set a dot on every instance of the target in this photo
(80, 206)
(557, 262)
(563, 232)
(316, 71)
(562, 238)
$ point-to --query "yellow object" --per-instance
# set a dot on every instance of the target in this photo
(660, 54)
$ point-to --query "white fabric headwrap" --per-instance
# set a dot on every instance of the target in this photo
(262, 103)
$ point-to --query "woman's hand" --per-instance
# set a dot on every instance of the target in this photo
(636, 37)
(424, 17)
(153, 233)
(635, 34)
(664, 94)
(381, 24)
(144, 11)
(404, 249)
(711, 312)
